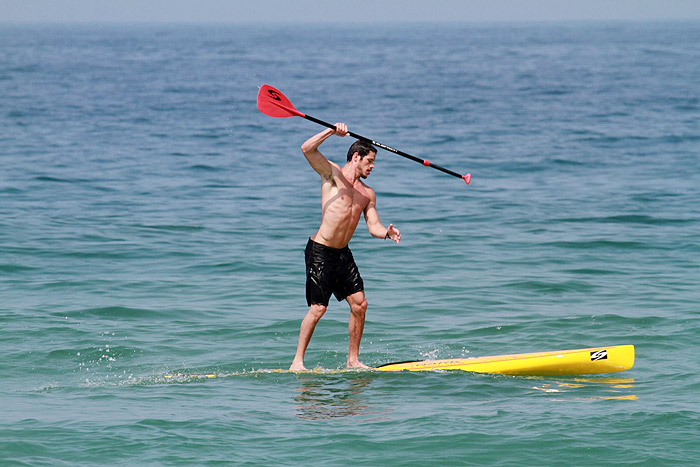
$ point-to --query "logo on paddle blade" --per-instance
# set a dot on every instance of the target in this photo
(599, 355)
(274, 94)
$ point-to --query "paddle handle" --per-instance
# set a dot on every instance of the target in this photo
(467, 178)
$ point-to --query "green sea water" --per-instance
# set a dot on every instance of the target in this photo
(153, 223)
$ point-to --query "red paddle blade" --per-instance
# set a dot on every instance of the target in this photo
(275, 104)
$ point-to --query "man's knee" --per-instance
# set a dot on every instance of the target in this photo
(317, 311)
(359, 308)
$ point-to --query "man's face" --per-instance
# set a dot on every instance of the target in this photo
(367, 164)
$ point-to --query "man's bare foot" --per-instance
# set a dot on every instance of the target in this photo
(297, 366)
(357, 364)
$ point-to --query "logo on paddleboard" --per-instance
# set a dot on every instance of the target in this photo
(599, 355)
(274, 94)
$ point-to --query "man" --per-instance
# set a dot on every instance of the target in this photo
(330, 267)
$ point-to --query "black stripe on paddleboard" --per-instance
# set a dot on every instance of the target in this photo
(400, 363)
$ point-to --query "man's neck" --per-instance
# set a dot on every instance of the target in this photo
(350, 173)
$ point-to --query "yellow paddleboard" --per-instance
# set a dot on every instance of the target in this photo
(563, 362)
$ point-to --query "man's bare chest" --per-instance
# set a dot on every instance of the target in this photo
(345, 199)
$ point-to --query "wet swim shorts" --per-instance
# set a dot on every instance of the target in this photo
(330, 270)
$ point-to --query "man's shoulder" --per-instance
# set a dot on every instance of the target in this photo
(335, 172)
(368, 190)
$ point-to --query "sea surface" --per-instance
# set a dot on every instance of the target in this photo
(153, 223)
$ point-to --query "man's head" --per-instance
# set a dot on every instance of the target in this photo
(366, 153)
(362, 148)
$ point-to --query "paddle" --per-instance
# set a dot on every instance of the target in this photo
(275, 104)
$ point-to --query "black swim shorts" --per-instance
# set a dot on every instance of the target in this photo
(330, 270)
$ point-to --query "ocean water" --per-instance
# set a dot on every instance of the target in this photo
(152, 223)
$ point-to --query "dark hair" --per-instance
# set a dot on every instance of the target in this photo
(362, 148)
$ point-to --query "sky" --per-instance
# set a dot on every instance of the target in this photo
(357, 11)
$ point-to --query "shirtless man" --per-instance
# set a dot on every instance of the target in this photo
(330, 267)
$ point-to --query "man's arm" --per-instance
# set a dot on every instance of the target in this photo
(376, 229)
(317, 160)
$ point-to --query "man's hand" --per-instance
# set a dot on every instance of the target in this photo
(393, 233)
(341, 129)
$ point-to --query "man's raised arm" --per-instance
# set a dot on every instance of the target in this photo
(317, 160)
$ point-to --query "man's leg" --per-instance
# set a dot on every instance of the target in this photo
(358, 308)
(307, 329)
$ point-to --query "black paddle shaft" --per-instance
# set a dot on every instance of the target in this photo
(425, 162)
